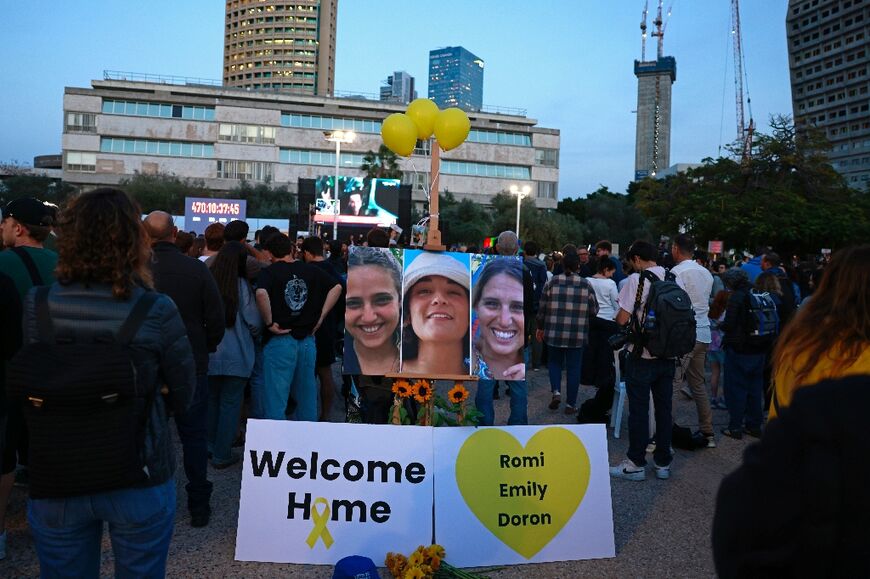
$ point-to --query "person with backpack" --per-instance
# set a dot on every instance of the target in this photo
(99, 346)
(750, 326)
(772, 263)
(24, 228)
(661, 327)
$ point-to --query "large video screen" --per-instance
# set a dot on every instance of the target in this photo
(370, 202)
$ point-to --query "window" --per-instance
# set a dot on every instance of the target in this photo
(485, 170)
(322, 158)
(330, 123)
(244, 170)
(247, 134)
(81, 122)
(81, 162)
(547, 157)
(547, 190)
(164, 110)
(158, 148)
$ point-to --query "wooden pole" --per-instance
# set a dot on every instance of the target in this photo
(433, 239)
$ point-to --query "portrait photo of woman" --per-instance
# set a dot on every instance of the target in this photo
(436, 314)
(373, 311)
(498, 322)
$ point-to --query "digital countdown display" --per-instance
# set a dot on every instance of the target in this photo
(200, 212)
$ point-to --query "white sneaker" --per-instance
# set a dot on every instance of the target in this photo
(2, 545)
(662, 472)
(628, 470)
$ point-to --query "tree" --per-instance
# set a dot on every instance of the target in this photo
(267, 201)
(550, 229)
(41, 187)
(608, 215)
(163, 192)
(381, 165)
(786, 195)
(463, 222)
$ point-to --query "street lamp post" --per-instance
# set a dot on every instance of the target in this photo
(337, 137)
(520, 192)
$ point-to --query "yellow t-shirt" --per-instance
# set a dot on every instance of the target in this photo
(784, 377)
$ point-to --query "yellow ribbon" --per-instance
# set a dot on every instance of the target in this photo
(320, 519)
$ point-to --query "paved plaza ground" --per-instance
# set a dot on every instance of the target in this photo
(662, 527)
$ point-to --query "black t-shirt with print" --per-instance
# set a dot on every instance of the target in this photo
(296, 293)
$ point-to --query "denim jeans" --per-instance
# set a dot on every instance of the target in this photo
(288, 368)
(744, 384)
(225, 395)
(519, 401)
(258, 383)
(643, 377)
(193, 432)
(571, 360)
(68, 532)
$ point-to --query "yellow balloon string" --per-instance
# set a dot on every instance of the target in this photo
(320, 519)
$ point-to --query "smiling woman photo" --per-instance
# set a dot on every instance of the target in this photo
(436, 310)
(373, 311)
(499, 323)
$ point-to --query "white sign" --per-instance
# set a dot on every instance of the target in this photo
(318, 492)
(522, 494)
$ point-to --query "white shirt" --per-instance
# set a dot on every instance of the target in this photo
(607, 296)
(628, 293)
(698, 283)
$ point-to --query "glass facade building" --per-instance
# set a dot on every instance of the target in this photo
(456, 78)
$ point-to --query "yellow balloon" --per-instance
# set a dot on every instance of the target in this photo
(399, 134)
(451, 128)
(423, 112)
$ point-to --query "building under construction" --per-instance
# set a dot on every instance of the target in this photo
(654, 80)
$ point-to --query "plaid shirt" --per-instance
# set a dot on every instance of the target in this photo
(567, 305)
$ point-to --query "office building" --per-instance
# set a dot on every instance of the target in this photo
(287, 46)
(652, 152)
(456, 78)
(222, 135)
(828, 41)
(398, 88)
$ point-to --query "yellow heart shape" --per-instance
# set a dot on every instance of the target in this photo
(524, 496)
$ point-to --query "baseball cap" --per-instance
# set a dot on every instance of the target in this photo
(355, 567)
(29, 211)
(427, 264)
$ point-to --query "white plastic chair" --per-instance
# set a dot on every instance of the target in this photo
(619, 403)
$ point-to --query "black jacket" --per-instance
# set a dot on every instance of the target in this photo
(161, 353)
(799, 504)
(191, 286)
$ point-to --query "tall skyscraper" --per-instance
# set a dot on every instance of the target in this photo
(398, 88)
(652, 150)
(830, 78)
(456, 78)
(281, 45)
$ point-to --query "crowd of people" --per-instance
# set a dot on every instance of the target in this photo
(229, 325)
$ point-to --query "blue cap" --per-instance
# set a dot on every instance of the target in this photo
(356, 567)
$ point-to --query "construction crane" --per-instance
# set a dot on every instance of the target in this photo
(744, 131)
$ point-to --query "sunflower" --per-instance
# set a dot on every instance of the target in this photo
(416, 558)
(414, 573)
(402, 388)
(434, 550)
(458, 393)
(422, 391)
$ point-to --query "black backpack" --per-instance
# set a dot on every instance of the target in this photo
(668, 326)
(762, 323)
(85, 410)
